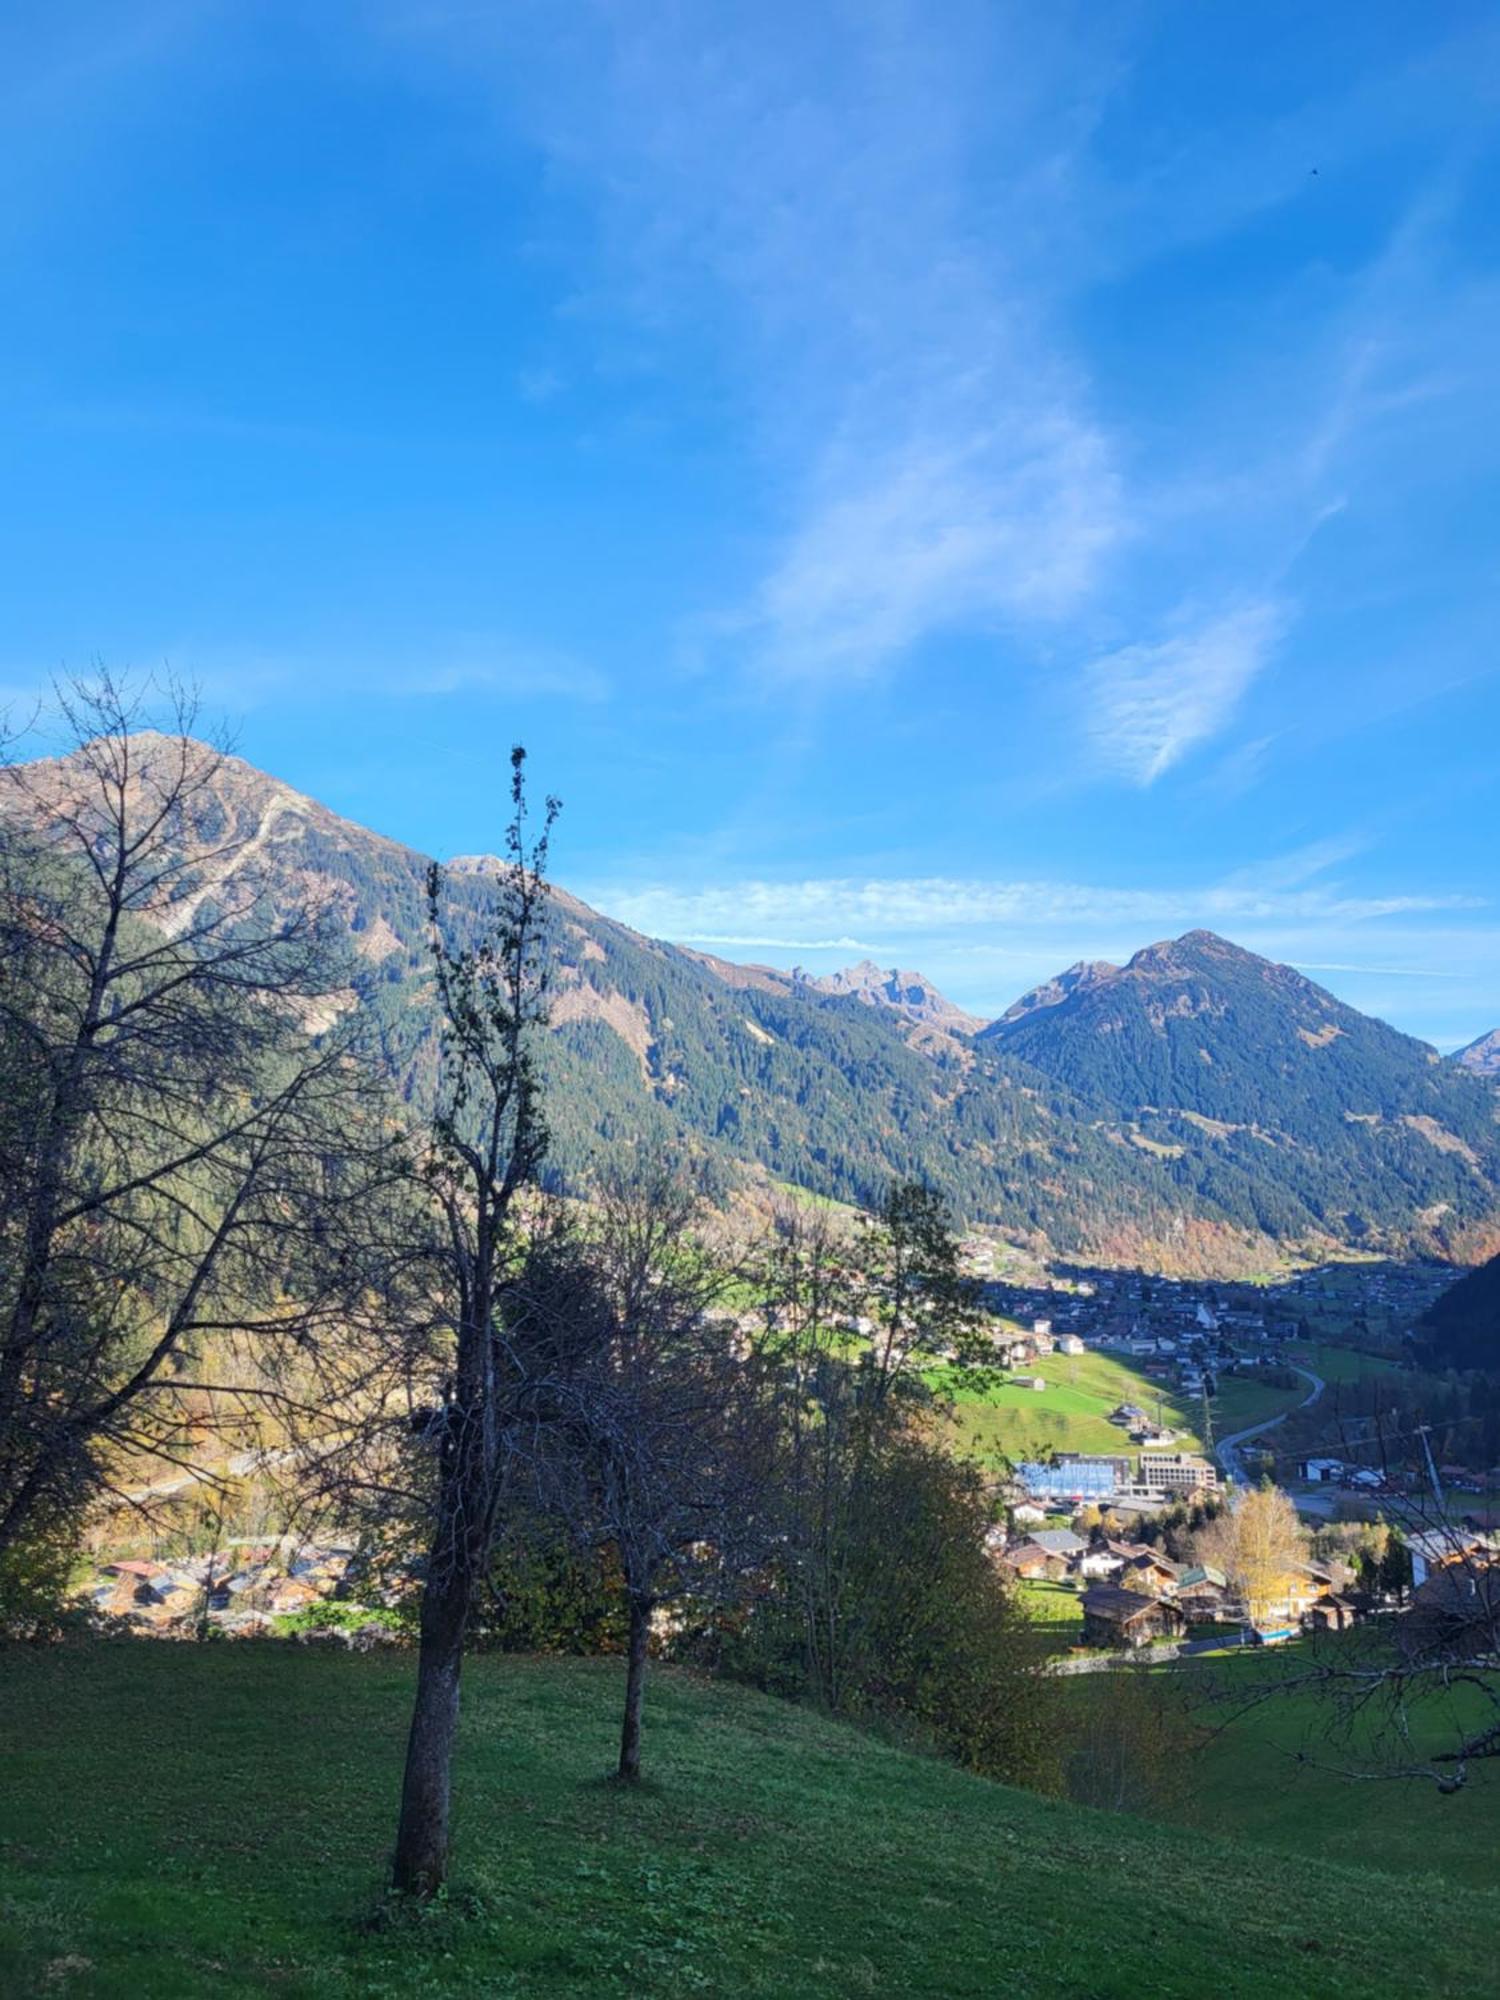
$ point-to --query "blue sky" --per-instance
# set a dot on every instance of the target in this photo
(976, 485)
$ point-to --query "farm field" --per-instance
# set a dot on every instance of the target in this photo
(1070, 1414)
(1338, 1364)
(1242, 1402)
(181, 1819)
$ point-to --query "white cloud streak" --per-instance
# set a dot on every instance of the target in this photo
(1149, 705)
(839, 908)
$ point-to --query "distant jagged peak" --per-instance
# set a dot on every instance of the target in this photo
(904, 992)
(476, 864)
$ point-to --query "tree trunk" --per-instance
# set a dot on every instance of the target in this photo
(635, 1689)
(421, 1863)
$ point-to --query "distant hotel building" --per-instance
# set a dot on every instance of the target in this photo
(1177, 1472)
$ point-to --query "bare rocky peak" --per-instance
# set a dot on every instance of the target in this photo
(907, 993)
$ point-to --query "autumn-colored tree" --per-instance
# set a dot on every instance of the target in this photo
(1257, 1543)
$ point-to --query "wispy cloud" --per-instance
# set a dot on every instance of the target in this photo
(840, 908)
(241, 679)
(960, 522)
(851, 198)
(1150, 704)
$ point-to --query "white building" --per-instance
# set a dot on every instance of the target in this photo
(1320, 1471)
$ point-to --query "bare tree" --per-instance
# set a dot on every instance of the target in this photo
(678, 1424)
(488, 1137)
(181, 1146)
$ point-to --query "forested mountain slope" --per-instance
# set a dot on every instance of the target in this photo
(1196, 1110)
(1462, 1328)
(1287, 1100)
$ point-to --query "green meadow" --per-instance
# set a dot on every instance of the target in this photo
(180, 1820)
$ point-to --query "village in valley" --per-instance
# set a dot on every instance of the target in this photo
(1116, 1546)
(1111, 1542)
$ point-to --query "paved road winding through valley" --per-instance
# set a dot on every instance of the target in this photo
(1229, 1448)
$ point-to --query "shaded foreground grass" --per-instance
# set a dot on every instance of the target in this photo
(178, 1820)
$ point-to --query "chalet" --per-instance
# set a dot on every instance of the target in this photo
(1031, 1561)
(1155, 1572)
(1459, 1601)
(1204, 1594)
(1437, 1548)
(1100, 1561)
(1292, 1597)
(1124, 1618)
(1069, 1343)
(1061, 1542)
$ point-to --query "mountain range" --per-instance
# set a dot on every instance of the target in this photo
(1197, 1109)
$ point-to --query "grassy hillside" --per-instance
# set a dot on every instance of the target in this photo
(1070, 1414)
(177, 1820)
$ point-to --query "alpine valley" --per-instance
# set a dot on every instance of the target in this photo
(1199, 1109)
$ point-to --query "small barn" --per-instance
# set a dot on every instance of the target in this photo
(1113, 1616)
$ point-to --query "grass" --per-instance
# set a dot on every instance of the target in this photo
(177, 1820)
(1338, 1365)
(1264, 1774)
(1057, 1608)
(1070, 1414)
(1242, 1401)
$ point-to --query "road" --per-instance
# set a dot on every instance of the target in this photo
(1229, 1448)
(239, 1467)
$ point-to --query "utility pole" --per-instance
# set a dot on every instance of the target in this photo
(1437, 1489)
